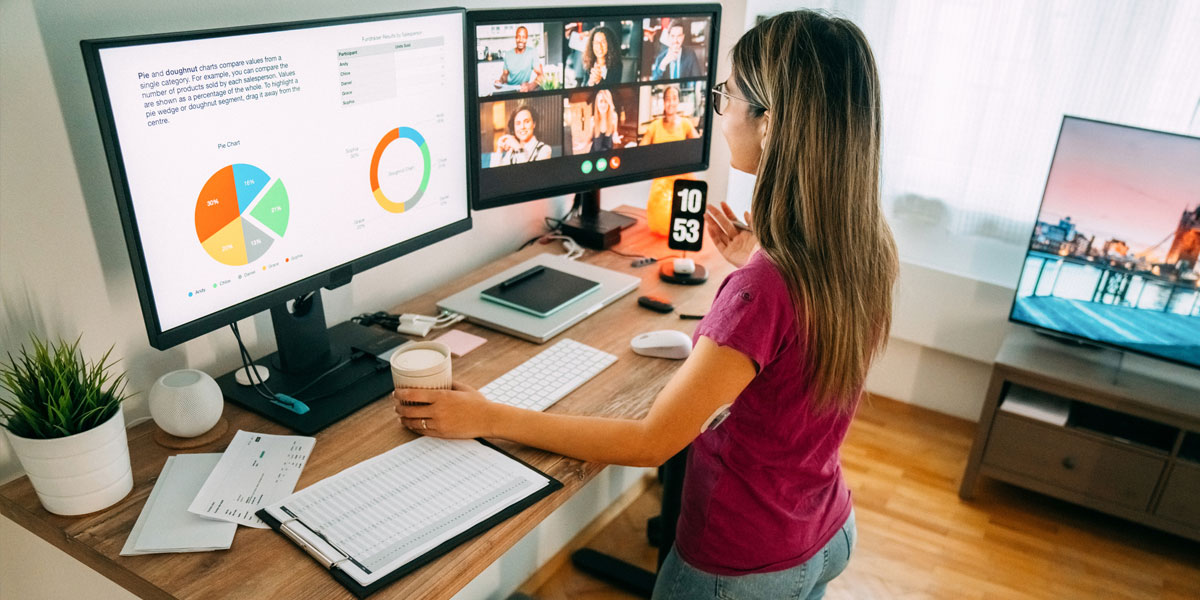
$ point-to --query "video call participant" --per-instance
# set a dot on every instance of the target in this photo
(786, 344)
(602, 59)
(604, 123)
(674, 60)
(520, 146)
(521, 65)
(671, 126)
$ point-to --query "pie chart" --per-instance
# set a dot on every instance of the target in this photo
(407, 170)
(241, 211)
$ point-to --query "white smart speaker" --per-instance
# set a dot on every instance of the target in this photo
(186, 404)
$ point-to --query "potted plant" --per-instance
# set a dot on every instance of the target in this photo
(63, 417)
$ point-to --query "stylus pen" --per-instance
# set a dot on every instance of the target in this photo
(740, 225)
(522, 277)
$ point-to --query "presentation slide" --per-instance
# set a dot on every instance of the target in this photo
(257, 160)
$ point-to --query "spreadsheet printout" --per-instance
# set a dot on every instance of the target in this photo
(391, 509)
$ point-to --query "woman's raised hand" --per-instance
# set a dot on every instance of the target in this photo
(734, 243)
(508, 143)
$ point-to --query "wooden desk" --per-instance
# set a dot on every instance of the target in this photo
(262, 564)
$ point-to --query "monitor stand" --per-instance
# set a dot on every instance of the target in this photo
(592, 227)
(307, 350)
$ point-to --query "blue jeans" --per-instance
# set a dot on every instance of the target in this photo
(678, 580)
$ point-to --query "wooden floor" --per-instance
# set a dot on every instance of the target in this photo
(917, 539)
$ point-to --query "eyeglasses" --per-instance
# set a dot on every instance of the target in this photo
(721, 98)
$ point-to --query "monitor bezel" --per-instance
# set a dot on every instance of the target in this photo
(329, 278)
(486, 17)
(1029, 243)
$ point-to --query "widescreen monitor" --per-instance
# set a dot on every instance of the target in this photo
(255, 164)
(574, 99)
(1114, 257)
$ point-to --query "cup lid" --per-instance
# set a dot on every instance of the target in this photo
(419, 359)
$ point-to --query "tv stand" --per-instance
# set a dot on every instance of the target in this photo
(1055, 421)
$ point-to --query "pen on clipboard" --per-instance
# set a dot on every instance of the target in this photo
(518, 278)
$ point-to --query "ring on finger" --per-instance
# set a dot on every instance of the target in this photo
(424, 424)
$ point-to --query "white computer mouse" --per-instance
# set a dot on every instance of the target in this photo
(666, 343)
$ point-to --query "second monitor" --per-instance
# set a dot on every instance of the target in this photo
(574, 99)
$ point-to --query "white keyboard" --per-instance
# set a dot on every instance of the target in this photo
(539, 382)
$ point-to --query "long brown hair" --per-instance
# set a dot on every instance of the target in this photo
(816, 208)
(613, 55)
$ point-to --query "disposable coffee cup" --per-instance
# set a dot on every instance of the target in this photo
(423, 365)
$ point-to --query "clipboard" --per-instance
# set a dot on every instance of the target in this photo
(327, 555)
(540, 290)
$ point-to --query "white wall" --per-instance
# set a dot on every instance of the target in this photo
(64, 269)
(953, 295)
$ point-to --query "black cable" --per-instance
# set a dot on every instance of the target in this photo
(249, 367)
(259, 385)
(553, 226)
(353, 357)
(382, 318)
(558, 223)
(348, 384)
(619, 253)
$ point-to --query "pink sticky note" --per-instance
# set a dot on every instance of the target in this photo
(460, 342)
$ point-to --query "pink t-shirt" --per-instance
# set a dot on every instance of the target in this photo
(763, 491)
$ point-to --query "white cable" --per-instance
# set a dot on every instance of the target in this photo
(574, 250)
(138, 421)
(452, 321)
(447, 315)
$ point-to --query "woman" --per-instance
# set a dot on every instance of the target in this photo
(602, 60)
(521, 146)
(604, 123)
(787, 341)
(671, 126)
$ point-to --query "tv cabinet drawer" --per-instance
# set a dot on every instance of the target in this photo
(1181, 496)
(1073, 461)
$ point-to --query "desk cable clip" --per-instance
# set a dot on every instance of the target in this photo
(290, 403)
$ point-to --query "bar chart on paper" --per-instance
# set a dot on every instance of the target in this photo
(240, 212)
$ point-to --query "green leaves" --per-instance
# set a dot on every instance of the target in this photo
(52, 392)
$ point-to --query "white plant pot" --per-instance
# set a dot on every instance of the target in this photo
(81, 473)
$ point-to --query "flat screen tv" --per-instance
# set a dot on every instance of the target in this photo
(1114, 258)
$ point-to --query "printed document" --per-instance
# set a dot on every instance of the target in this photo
(256, 470)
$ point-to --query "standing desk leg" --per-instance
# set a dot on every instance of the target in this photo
(630, 577)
